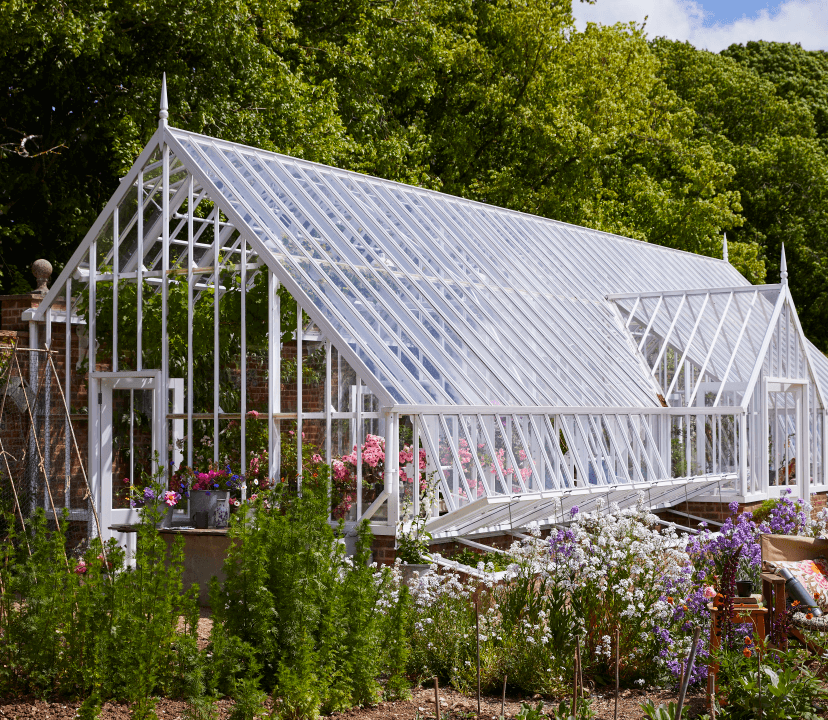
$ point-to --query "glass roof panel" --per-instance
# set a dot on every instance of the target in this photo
(451, 302)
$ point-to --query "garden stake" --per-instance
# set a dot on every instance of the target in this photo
(688, 672)
(580, 669)
(503, 699)
(437, 697)
(33, 431)
(617, 660)
(575, 684)
(477, 629)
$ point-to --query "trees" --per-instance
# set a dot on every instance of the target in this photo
(780, 161)
(493, 100)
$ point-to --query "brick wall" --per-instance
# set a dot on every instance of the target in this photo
(383, 549)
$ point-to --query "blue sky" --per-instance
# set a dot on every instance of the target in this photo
(727, 12)
(715, 25)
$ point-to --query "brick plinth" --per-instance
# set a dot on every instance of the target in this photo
(383, 549)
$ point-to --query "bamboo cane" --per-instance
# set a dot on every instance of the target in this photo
(437, 698)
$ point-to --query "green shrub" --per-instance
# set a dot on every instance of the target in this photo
(318, 625)
(789, 690)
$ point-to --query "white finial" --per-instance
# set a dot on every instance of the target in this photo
(783, 267)
(724, 249)
(163, 114)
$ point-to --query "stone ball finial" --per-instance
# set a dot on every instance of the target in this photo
(42, 270)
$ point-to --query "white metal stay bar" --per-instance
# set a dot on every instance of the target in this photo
(668, 335)
(735, 349)
(687, 347)
(689, 402)
(650, 324)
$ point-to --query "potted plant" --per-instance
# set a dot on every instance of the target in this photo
(412, 537)
(154, 494)
(208, 491)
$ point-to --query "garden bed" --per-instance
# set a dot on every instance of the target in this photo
(420, 707)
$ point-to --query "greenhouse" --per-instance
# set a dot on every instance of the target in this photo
(516, 365)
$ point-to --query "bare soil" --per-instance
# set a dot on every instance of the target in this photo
(453, 706)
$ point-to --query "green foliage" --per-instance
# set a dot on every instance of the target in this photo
(201, 708)
(318, 627)
(96, 628)
(249, 699)
(761, 110)
(470, 557)
(662, 711)
(781, 688)
(527, 712)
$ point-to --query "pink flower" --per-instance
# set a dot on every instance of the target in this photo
(709, 592)
(317, 458)
(81, 568)
(170, 497)
(253, 414)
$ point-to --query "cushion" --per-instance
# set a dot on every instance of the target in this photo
(813, 574)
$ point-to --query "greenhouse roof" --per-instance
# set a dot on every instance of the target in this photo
(441, 301)
(448, 301)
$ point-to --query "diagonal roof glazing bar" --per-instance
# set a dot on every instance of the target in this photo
(360, 358)
(387, 281)
(365, 290)
(447, 262)
(590, 309)
(301, 252)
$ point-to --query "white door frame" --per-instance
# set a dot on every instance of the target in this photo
(800, 388)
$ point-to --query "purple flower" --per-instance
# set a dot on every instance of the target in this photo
(149, 494)
(573, 511)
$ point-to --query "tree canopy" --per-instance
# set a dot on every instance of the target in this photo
(496, 100)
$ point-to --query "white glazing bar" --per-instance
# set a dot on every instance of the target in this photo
(667, 337)
(328, 391)
(216, 341)
(404, 300)
(632, 312)
(415, 449)
(355, 361)
(190, 312)
(743, 465)
(689, 401)
(736, 349)
(634, 460)
(47, 409)
(274, 394)
(299, 331)
(392, 474)
(472, 442)
(67, 430)
(458, 466)
(687, 347)
(92, 319)
(358, 443)
(139, 284)
(165, 286)
(131, 439)
(650, 324)
(243, 402)
(116, 240)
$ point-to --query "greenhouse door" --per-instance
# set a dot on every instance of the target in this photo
(128, 423)
(788, 433)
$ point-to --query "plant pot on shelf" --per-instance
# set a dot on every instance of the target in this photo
(744, 588)
(214, 503)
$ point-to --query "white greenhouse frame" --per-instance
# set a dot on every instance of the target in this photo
(597, 368)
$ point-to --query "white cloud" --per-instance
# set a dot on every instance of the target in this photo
(794, 21)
